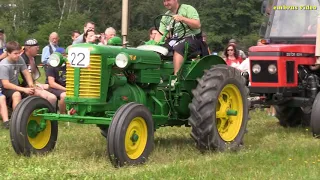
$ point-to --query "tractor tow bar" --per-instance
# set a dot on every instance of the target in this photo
(256, 100)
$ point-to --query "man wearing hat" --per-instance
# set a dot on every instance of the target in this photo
(241, 53)
(31, 49)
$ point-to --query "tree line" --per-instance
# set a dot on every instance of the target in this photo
(220, 19)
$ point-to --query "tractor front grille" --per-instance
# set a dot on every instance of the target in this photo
(264, 76)
(89, 81)
(70, 81)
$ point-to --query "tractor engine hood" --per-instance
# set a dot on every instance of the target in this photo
(289, 50)
(136, 55)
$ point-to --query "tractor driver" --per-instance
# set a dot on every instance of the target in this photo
(189, 16)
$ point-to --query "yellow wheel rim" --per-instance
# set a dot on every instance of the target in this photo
(42, 138)
(136, 138)
(229, 100)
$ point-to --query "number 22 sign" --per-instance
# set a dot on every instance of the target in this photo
(79, 57)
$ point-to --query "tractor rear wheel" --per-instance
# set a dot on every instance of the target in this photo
(315, 114)
(131, 135)
(29, 133)
(219, 109)
(292, 116)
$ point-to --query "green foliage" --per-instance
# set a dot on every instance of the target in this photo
(220, 19)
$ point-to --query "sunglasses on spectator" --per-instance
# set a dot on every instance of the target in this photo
(230, 49)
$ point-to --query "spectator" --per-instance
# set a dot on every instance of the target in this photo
(50, 48)
(75, 34)
(232, 57)
(152, 33)
(9, 70)
(204, 39)
(3, 54)
(89, 37)
(240, 52)
(87, 26)
(57, 82)
(109, 33)
(30, 52)
(4, 111)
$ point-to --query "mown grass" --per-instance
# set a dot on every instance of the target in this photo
(270, 152)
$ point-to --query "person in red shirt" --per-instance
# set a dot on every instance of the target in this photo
(232, 57)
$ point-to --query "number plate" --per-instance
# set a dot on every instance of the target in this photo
(79, 57)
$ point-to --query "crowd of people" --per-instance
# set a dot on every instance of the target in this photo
(19, 71)
(20, 61)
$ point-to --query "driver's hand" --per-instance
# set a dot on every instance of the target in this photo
(178, 18)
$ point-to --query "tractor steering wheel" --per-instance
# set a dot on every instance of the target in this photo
(169, 27)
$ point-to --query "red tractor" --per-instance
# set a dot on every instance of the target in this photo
(284, 72)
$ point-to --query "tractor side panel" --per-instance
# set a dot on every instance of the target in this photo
(125, 94)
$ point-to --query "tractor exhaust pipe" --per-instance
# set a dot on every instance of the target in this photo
(318, 41)
(124, 25)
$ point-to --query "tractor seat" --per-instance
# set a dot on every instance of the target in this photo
(159, 49)
(192, 55)
(165, 53)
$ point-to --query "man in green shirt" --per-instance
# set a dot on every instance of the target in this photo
(189, 16)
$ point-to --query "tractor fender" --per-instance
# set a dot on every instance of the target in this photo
(197, 68)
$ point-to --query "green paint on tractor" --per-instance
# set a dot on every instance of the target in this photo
(127, 93)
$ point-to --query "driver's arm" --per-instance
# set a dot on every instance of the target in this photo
(191, 19)
(192, 23)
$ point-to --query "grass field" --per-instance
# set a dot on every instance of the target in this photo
(270, 152)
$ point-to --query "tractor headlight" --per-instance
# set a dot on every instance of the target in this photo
(272, 69)
(122, 60)
(56, 59)
(256, 68)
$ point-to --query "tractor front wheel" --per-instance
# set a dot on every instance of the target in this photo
(219, 109)
(130, 136)
(29, 133)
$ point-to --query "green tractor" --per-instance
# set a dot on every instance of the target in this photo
(127, 93)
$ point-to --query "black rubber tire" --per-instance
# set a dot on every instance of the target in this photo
(202, 109)
(291, 116)
(117, 131)
(18, 126)
(315, 115)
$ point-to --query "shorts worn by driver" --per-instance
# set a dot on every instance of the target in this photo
(194, 45)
